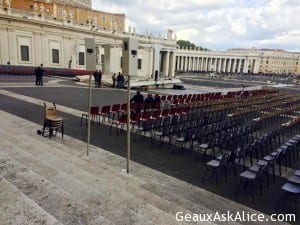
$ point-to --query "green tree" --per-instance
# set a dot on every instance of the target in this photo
(188, 44)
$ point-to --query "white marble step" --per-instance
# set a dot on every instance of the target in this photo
(111, 199)
(17, 209)
(58, 203)
(97, 166)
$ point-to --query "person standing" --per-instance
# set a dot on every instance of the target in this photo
(97, 77)
(138, 99)
(119, 80)
(114, 78)
(39, 72)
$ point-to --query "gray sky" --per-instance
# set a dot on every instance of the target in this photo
(215, 24)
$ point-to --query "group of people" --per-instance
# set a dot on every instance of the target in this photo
(39, 73)
(150, 101)
(97, 78)
(118, 79)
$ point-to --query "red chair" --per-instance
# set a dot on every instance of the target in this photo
(105, 111)
(114, 110)
(156, 115)
(94, 111)
(123, 109)
(119, 124)
(134, 119)
(145, 116)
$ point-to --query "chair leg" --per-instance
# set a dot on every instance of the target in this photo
(238, 187)
(216, 177)
(204, 175)
(225, 171)
(252, 191)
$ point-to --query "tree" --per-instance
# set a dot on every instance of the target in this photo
(189, 45)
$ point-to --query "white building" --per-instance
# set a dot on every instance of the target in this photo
(30, 39)
(50, 37)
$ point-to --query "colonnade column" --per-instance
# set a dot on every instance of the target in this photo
(200, 63)
(238, 62)
(166, 61)
(172, 64)
(246, 65)
(107, 59)
(229, 65)
(256, 66)
(234, 66)
(224, 65)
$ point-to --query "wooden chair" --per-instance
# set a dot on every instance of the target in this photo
(52, 122)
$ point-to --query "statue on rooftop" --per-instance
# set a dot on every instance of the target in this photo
(35, 7)
(7, 2)
(42, 8)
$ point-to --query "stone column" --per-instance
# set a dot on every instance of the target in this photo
(107, 53)
(184, 63)
(234, 65)
(156, 59)
(37, 47)
(256, 66)
(206, 64)
(172, 65)
(201, 64)
(229, 65)
(224, 65)
(166, 61)
(245, 67)
(12, 48)
(218, 65)
(181, 63)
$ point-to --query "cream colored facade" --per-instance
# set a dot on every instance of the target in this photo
(279, 62)
(32, 37)
(255, 61)
(221, 62)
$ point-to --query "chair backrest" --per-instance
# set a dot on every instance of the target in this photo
(123, 118)
(115, 107)
(50, 111)
(105, 109)
(124, 107)
(94, 110)
(224, 159)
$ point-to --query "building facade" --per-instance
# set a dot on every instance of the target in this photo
(253, 61)
(53, 32)
(220, 62)
(41, 32)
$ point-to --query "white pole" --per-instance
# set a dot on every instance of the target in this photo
(89, 116)
(128, 124)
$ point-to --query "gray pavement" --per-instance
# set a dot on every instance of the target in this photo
(21, 99)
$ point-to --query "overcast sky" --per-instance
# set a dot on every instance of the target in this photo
(215, 24)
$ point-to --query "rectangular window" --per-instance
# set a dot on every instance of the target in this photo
(24, 53)
(55, 56)
(81, 58)
(60, 11)
(139, 64)
(121, 62)
(102, 59)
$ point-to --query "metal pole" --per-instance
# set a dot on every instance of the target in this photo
(128, 124)
(89, 116)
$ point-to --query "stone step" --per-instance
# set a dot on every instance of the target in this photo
(17, 208)
(55, 201)
(165, 191)
(112, 199)
(133, 185)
